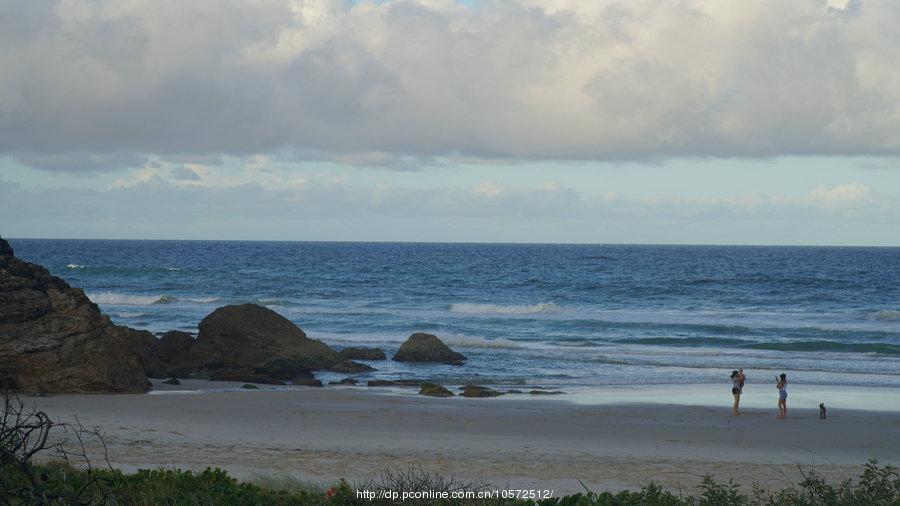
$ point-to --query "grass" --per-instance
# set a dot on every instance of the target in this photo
(63, 484)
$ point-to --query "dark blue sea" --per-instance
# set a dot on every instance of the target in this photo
(560, 316)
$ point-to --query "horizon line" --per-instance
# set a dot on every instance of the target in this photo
(510, 243)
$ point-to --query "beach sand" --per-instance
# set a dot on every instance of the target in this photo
(319, 435)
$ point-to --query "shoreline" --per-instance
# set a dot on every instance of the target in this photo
(318, 435)
(756, 396)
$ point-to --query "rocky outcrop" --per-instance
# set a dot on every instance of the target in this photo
(144, 345)
(249, 336)
(174, 348)
(427, 348)
(434, 390)
(54, 339)
(360, 353)
(349, 366)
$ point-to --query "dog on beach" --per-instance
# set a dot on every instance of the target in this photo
(822, 411)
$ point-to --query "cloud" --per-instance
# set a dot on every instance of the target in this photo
(407, 80)
(845, 195)
(184, 174)
(82, 161)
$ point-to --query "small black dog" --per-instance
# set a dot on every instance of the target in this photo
(822, 411)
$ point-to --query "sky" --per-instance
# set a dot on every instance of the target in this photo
(611, 121)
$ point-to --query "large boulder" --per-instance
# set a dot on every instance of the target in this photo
(427, 348)
(54, 339)
(361, 353)
(250, 336)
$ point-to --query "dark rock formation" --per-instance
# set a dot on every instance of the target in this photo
(478, 391)
(307, 382)
(284, 369)
(546, 392)
(434, 390)
(345, 381)
(349, 366)
(427, 348)
(248, 386)
(174, 348)
(172, 381)
(54, 339)
(144, 345)
(249, 336)
(359, 353)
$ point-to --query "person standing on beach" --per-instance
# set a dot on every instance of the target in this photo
(737, 387)
(781, 385)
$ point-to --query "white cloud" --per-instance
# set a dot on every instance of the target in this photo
(383, 82)
(852, 194)
(489, 189)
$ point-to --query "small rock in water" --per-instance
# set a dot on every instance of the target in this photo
(345, 381)
(248, 386)
(434, 390)
(427, 348)
(478, 391)
(307, 382)
(172, 381)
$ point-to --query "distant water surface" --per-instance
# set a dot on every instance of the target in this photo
(559, 316)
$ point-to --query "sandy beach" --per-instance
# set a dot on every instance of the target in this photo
(319, 435)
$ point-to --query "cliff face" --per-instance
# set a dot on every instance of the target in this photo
(54, 339)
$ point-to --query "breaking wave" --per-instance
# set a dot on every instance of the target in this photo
(470, 308)
(124, 299)
(888, 315)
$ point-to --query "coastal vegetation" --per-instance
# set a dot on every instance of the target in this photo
(64, 484)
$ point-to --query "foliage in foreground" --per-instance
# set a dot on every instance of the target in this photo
(877, 485)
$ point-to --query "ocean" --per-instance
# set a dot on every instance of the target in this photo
(567, 317)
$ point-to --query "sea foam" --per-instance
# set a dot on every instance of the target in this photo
(470, 308)
(123, 299)
(888, 315)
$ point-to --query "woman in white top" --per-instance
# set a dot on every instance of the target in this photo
(737, 387)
